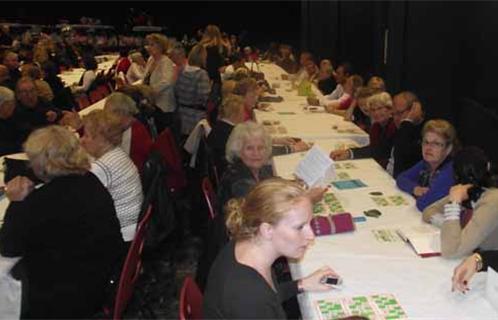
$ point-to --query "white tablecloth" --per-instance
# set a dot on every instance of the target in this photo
(369, 266)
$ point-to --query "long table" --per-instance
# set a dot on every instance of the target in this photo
(105, 62)
(372, 266)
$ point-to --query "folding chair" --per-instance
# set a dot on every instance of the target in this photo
(132, 267)
(176, 179)
(210, 196)
(190, 300)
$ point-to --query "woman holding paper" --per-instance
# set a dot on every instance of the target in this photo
(469, 213)
(430, 179)
(272, 221)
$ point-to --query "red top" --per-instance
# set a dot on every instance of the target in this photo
(141, 143)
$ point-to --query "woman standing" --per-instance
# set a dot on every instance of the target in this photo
(159, 75)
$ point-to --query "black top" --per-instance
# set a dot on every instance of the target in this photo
(406, 147)
(217, 141)
(12, 135)
(237, 291)
(489, 259)
(214, 61)
(68, 236)
(327, 85)
(236, 182)
(36, 117)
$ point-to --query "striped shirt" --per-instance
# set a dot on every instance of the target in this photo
(119, 175)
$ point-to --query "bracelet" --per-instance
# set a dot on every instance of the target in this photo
(478, 260)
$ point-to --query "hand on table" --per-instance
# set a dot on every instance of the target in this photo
(416, 115)
(313, 281)
(463, 273)
(338, 155)
(300, 146)
(18, 188)
(419, 191)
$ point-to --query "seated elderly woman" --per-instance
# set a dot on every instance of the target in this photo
(377, 83)
(136, 140)
(65, 231)
(272, 221)
(326, 81)
(192, 89)
(113, 167)
(381, 133)
(340, 105)
(430, 179)
(479, 261)
(248, 89)
(469, 214)
(43, 89)
(358, 111)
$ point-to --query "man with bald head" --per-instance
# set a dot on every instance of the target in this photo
(408, 116)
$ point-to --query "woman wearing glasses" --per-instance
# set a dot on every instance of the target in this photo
(431, 178)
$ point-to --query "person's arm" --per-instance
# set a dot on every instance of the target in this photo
(438, 189)
(361, 153)
(435, 209)
(457, 242)
(408, 180)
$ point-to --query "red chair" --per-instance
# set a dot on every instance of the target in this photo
(165, 144)
(190, 300)
(131, 267)
(83, 102)
(96, 95)
(210, 196)
(104, 90)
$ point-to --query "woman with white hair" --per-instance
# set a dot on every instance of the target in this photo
(11, 134)
(136, 140)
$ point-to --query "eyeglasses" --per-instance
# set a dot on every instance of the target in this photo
(434, 144)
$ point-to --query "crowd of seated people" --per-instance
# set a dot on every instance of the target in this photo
(185, 85)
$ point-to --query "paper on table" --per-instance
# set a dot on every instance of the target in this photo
(316, 168)
(492, 287)
(425, 239)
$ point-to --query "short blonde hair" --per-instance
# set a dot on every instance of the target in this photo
(231, 105)
(32, 71)
(243, 132)
(159, 39)
(6, 95)
(442, 128)
(267, 202)
(197, 56)
(105, 125)
(121, 104)
(382, 99)
(135, 56)
(57, 152)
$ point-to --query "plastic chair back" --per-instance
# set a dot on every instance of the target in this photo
(190, 300)
(210, 196)
(132, 267)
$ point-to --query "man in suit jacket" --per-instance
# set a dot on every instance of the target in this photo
(408, 116)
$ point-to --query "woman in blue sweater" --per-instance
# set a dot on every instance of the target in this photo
(430, 179)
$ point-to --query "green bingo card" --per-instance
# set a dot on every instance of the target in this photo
(330, 204)
(374, 307)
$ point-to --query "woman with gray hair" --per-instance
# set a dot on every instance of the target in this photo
(65, 231)
(11, 134)
(136, 140)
